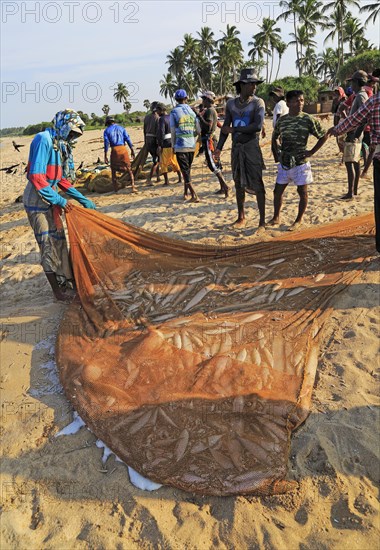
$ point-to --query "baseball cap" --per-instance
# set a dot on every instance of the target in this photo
(208, 95)
(180, 94)
(359, 75)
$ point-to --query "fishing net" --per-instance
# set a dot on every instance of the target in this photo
(195, 363)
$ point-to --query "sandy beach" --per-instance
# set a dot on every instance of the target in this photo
(57, 493)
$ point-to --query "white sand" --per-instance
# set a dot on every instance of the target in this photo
(55, 491)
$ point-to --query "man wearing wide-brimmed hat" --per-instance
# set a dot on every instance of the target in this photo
(244, 120)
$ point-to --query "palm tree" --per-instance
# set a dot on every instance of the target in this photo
(206, 41)
(310, 15)
(146, 104)
(177, 67)
(255, 50)
(232, 48)
(353, 30)
(106, 109)
(168, 86)
(327, 65)
(121, 93)
(176, 62)
(304, 41)
(222, 65)
(334, 25)
(362, 45)
(268, 38)
(292, 9)
(309, 61)
(280, 48)
(374, 11)
(340, 7)
(190, 47)
(127, 106)
(194, 58)
(206, 50)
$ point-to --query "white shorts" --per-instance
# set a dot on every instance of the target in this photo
(299, 175)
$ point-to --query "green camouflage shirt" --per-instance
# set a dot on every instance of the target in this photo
(294, 132)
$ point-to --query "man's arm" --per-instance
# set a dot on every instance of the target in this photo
(316, 130)
(40, 150)
(274, 145)
(128, 140)
(353, 121)
(73, 193)
(160, 132)
(225, 130)
(106, 146)
(256, 124)
(172, 129)
(317, 146)
(205, 119)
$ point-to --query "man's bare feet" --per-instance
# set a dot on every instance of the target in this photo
(260, 230)
(273, 222)
(67, 297)
(239, 224)
(346, 197)
(134, 190)
(194, 199)
(295, 226)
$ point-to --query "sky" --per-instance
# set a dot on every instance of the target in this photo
(71, 53)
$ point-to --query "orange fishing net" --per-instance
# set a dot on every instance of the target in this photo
(195, 363)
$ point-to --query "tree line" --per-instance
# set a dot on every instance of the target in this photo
(207, 62)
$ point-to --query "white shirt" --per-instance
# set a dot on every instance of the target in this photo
(280, 109)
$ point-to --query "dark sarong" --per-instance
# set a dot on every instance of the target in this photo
(120, 160)
(247, 166)
(151, 143)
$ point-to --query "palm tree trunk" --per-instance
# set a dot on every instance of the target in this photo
(278, 66)
(267, 65)
(295, 38)
(271, 64)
